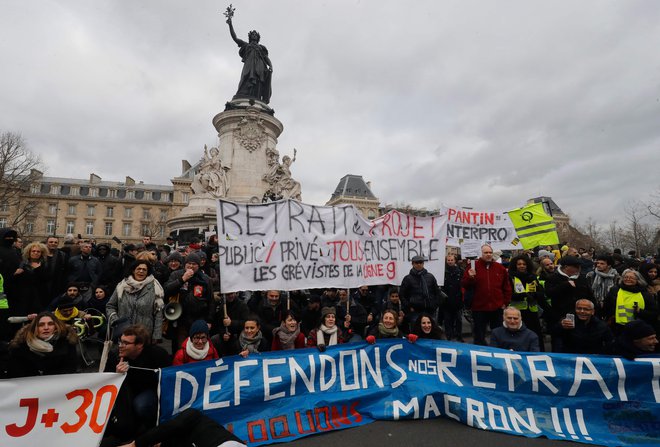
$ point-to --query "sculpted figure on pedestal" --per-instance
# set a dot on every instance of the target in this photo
(279, 178)
(211, 179)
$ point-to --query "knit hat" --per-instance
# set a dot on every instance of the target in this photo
(544, 253)
(637, 329)
(327, 311)
(418, 258)
(570, 260)
(194, 258)
(65, 302)
(175, 256)
(199, 327)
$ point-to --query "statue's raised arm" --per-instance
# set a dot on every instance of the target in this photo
(257, 67)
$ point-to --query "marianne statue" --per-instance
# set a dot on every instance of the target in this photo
(257, 68)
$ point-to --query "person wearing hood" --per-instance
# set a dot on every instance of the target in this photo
(197, 347)
(111, 271)
(46, 346)
(419, 290)
(139, 297)
(513, 334)
(637, 338)
(649, 272)
(628, 301)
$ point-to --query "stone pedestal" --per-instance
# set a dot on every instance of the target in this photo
(247, 133)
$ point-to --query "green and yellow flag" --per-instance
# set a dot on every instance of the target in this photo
(534, 226)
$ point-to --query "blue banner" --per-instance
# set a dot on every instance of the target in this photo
(280, 396)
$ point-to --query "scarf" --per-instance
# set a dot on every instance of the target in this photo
(332, 332)
(422, 281)
(251, 344)
(61, 317)
(603, 282)
(41, 346)
(194, 353)
(385, 332)
(287, 337)
(131, 285)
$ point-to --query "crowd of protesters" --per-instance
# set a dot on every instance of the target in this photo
(563, 299)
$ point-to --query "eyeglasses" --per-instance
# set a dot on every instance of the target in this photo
(125, 343)
(200, 338)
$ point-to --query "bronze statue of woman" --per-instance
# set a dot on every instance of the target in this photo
(257, 68)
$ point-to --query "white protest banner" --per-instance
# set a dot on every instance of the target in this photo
(57, 411)
(288, 245)
(488, 227)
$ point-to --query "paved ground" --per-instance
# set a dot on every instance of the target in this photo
(434, 432)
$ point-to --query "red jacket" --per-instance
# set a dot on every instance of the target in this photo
(491, 286)
(181, 357)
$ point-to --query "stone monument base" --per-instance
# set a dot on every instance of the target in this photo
(195, 219)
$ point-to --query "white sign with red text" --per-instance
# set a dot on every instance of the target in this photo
(57, 411)
(289, 245)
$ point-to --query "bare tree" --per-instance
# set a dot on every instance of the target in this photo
(18, 169)
(653, 206)
(613, 235)
(638, 234)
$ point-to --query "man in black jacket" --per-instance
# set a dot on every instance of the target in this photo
(584, 333)
(419, 290)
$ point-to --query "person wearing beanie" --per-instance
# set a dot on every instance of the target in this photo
(327, 333)
(196, 347)
(195, 296)
(636, 339)
(563, 288)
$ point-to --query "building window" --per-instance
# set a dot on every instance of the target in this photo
(110, 211)
(3, 222)
(163, 215)
(93, 192)
(185, 197)
(54, 189)
(89, 228)
(128, 213)
(146, 214)
(91, 209)
(70, 226)
(108, 229)
(130, 195)
(112, 193)
(126, 230)
(145, 229)
(4, 207)
(50, 226)
(52, 208)
(29, 227)
(161, 230)
(165, 197)
(35, 189)
(71, 210)
(75, 191)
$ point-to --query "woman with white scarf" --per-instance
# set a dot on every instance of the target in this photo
(46, 346)
(139, 299)
(197, 347)
(288, 334)
(328, 333)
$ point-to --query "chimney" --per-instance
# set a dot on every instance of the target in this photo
(129, 181)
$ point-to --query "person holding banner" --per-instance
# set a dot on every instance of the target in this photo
(426, 327)
(452, 309)
(44, 347)
(387, 328)
(393, 302)
(271, 310)
(288, 335)
(327, 333)
(250, 340)
(489, 283)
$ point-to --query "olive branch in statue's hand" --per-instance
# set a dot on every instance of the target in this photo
(229, 13)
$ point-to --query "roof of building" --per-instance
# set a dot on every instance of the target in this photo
(548, 203)
(353, 186)
(102, 184)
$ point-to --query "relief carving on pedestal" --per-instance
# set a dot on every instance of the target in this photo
(250, 132)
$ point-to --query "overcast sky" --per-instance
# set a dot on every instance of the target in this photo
(467, 103)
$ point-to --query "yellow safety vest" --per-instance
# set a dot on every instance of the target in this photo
(518, 287)
(534, 226)
(4, 304)
(625, 304)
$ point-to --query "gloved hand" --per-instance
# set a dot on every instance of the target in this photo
(371, 339)
(412, 338)
(321, 348)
